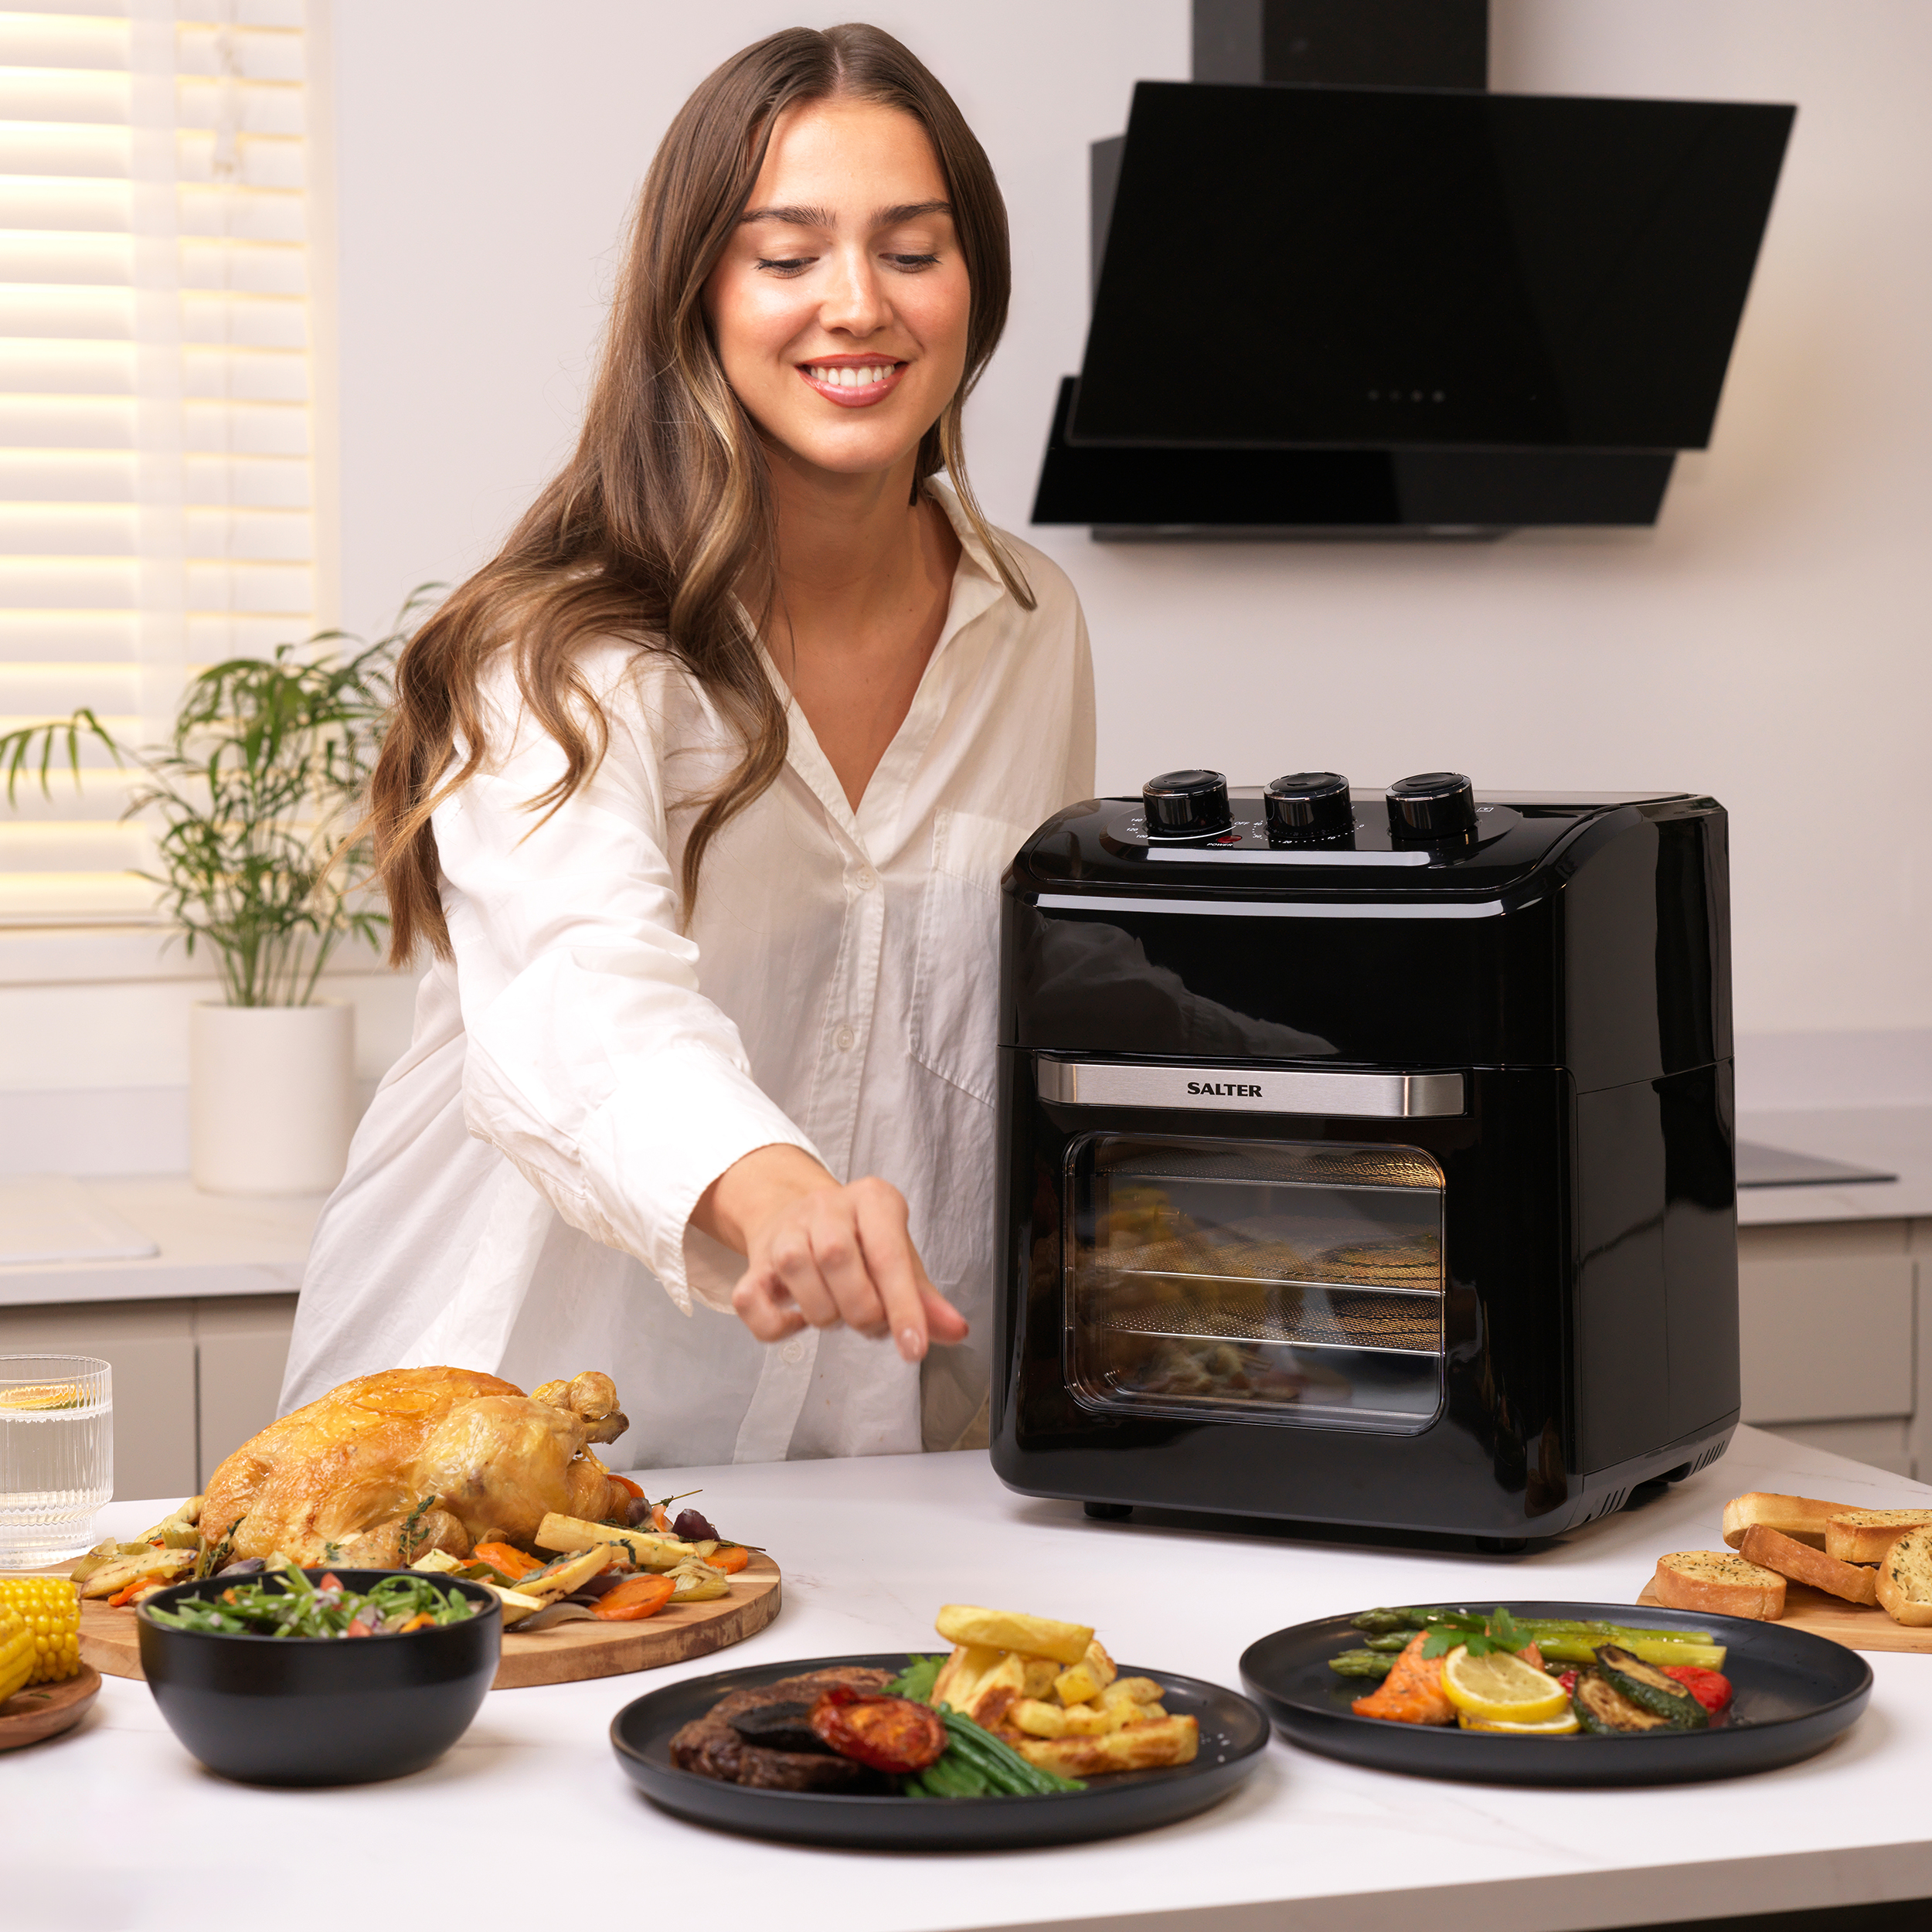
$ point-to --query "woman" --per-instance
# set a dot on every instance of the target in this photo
(699, 794)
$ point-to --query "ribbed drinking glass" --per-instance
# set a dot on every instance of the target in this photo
(56, 1456)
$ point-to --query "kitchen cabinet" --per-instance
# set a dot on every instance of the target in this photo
(192, 1378)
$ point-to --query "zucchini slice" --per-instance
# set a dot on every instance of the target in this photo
(1649, 1689)
(1605, 1712)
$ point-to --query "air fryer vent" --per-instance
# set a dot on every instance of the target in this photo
(1608, 1507)
(1711, 1454)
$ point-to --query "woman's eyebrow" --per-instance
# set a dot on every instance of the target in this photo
(824, 218)
(910, 211)
(793, 217)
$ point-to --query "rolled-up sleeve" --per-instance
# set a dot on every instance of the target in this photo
(619, 1091)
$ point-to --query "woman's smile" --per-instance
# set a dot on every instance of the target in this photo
(853, 381)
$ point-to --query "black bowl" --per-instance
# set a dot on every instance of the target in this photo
(293, 1710)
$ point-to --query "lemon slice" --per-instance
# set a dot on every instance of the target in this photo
(41, 1395)
(1500, 1688)
(1565, 1726)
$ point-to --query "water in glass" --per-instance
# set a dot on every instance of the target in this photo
(56, 1456)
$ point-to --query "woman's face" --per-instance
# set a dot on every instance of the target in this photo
(839, 306)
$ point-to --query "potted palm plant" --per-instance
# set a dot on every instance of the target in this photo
(258, 792)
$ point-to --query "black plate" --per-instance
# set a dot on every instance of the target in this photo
(1232, 1734)
(1793, 1693)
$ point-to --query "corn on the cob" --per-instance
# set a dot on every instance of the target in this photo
(16, 1652)
(48, 1608)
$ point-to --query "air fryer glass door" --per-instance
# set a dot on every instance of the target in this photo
(1256, 1280)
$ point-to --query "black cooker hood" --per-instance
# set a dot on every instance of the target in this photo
(1325, 310)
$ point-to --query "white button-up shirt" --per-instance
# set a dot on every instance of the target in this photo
(518, 1196)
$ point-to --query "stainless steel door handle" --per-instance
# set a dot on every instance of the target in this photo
(1248, 1090)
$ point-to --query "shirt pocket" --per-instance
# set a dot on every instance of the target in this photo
(955, 1002)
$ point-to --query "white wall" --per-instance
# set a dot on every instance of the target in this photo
(1766, 643)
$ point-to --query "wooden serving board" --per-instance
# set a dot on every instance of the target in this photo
(45, 1710)
(571, 1652)
(1856, 1625)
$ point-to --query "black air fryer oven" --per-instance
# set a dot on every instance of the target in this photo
(1367, 1158)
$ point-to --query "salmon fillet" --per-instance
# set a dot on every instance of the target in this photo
(1412, 1692)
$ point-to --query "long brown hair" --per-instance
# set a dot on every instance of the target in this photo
(660, 530)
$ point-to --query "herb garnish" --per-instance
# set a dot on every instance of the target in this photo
(1501, 1632)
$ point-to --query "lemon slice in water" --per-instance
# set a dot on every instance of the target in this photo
(41, 1395)
(1500, 1688)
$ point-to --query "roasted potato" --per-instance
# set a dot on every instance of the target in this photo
(1081, 1683)
(1009, 1630)
(1134, 1747)
(959, 1676)
(157, 1565)
(1130, 1690)
(1039, 1720)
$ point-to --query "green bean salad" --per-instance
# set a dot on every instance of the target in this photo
(327, 1607)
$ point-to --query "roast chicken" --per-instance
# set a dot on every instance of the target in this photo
(388, 1466)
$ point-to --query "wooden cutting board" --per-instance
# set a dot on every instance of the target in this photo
(1856, 1625)
(45, 1710)
(571, 1652)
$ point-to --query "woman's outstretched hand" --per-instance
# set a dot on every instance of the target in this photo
(820, 1254)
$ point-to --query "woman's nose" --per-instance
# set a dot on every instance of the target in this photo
(854, 302)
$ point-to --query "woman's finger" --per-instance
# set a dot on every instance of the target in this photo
(842, 1263)
(894, 1265)
(944, 1321)
(792, 1260)
(762, 1304)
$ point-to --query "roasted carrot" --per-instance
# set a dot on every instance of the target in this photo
(127, 1596)
(731, 1559)
(633, 1490)
(641, 1597)
(421, 1621)
(512, 1562)
(661, 1518)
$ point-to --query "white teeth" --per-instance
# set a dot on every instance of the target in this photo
(846, 375)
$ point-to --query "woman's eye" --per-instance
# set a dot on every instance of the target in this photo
(911, 262)
(790, 265)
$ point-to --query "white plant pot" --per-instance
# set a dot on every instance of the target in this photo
(271, 1097)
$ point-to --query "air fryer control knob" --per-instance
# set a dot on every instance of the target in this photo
(1187, 804)
(1433, 804)
(1307, 805)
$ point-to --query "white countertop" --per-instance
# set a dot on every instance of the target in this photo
(210, 1244)
(1896, 1139)
(116, 1824)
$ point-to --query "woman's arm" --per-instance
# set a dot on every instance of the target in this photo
(822, 1254)
(596, 1063)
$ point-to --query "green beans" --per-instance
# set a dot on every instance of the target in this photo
(300, 1608)
(977, 1764)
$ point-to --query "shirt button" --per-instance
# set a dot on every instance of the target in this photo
(844, 1039)
(794, 1350)
(867, 879)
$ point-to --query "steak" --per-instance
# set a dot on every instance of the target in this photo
(709, 1747)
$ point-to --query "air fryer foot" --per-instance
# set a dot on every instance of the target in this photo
(1110, 1511)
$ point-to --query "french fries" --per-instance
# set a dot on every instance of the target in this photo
(1067, 1711)
(1134, 1747)
(1008, 1629)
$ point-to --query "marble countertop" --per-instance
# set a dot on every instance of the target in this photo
(116, 1825)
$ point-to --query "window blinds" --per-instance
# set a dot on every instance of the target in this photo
(155, 435)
